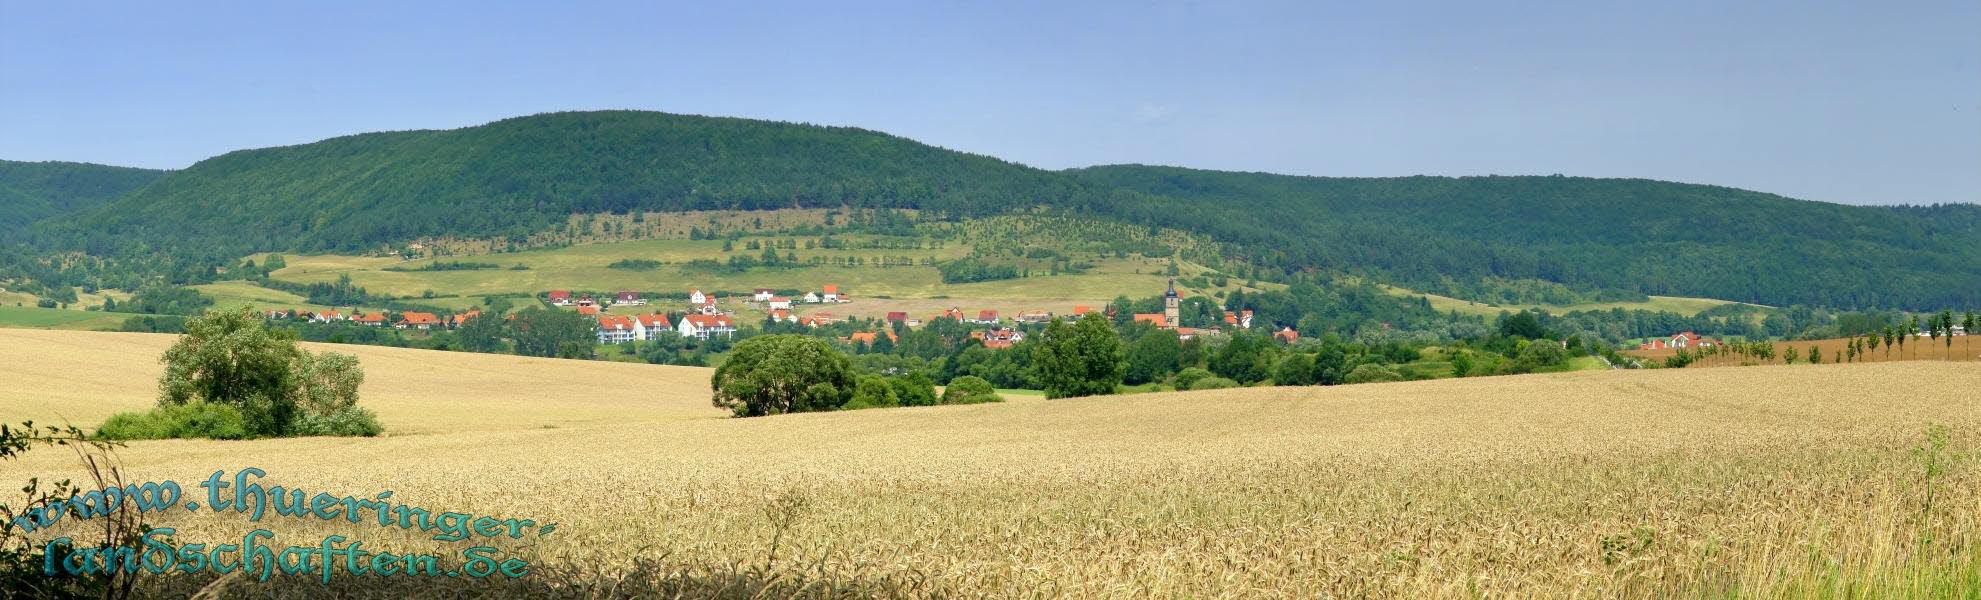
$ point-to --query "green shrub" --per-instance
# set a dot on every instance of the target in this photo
(1372, 373)
(872, 391)
(346, 421)
(192, 420)
(969, 389)
(1185, 378)
(1213, 383)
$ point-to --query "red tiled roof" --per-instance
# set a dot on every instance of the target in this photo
(615, 322)
(897, 316)
(831, 288)
(653, 320)
(707, 321)
(1156, 319)
(418, 318)
(555, 294)
(986, 315)
(588, 310)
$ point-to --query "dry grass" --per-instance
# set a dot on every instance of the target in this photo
(1764, 482)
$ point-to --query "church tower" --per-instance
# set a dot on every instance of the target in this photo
(1172, 307)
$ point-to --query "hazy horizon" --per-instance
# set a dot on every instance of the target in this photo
(1821, 101)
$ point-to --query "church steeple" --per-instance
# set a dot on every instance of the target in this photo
(1172, 308)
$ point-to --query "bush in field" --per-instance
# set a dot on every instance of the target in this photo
(1372, 373)
(913, 389)
(783, 373)
(231, 369)
(1186, 378)
(192, 420)
(1213, 383)
(969, 389)
(873, 391)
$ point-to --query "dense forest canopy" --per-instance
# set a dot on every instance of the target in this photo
(1600, 238)
(32, 191)
(1624, 234)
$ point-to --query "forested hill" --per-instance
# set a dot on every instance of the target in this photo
(527, 174)
(1634, 234)
(32, 191)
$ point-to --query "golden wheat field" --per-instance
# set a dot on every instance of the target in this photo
(1773, 481)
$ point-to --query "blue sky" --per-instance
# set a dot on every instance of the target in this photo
(1856, 102)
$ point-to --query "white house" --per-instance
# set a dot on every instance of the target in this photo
(697, 298)
(616, 329)
(785, 315)
(648, 327)
(811, 297)
(831, 293)
(762, 295)
(779, 302)
(707, 326)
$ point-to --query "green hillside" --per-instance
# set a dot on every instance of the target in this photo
(32, 191)
(1639, 235)
(1507, 238)
(522, 175)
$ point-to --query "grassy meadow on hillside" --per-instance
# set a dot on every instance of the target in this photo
(1683, 306)
(1782, 481)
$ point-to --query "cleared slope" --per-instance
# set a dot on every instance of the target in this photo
(1505, 486)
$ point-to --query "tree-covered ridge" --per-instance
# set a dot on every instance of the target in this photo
(1626, 234)
(32, 191)
(523, 175)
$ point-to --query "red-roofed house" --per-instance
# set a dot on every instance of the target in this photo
(629, 298)
(373, 319)
(560, 297)
(831, 293)
(417, 320)
(1082, 310)
(614, 329)
(779, 314)
(707, 326)
(588, 310)
(1155, 319)
(460, 319)
(778, 302)
(1287, 334)
(1689, 339)
(998, 339)
(897, 317)
(985, 317)
(869, 337)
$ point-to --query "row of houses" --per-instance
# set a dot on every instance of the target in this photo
(614, 329)
(696, 298)
(406, 320)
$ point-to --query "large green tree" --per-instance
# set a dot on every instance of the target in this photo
(1153, 356)
(1081, 359)
(782, 373)
(553, 333)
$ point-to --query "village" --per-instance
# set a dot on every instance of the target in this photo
(629, 316)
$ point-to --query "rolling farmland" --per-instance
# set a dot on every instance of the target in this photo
(1778, 481)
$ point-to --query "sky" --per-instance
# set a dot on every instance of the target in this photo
(1852, 102)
